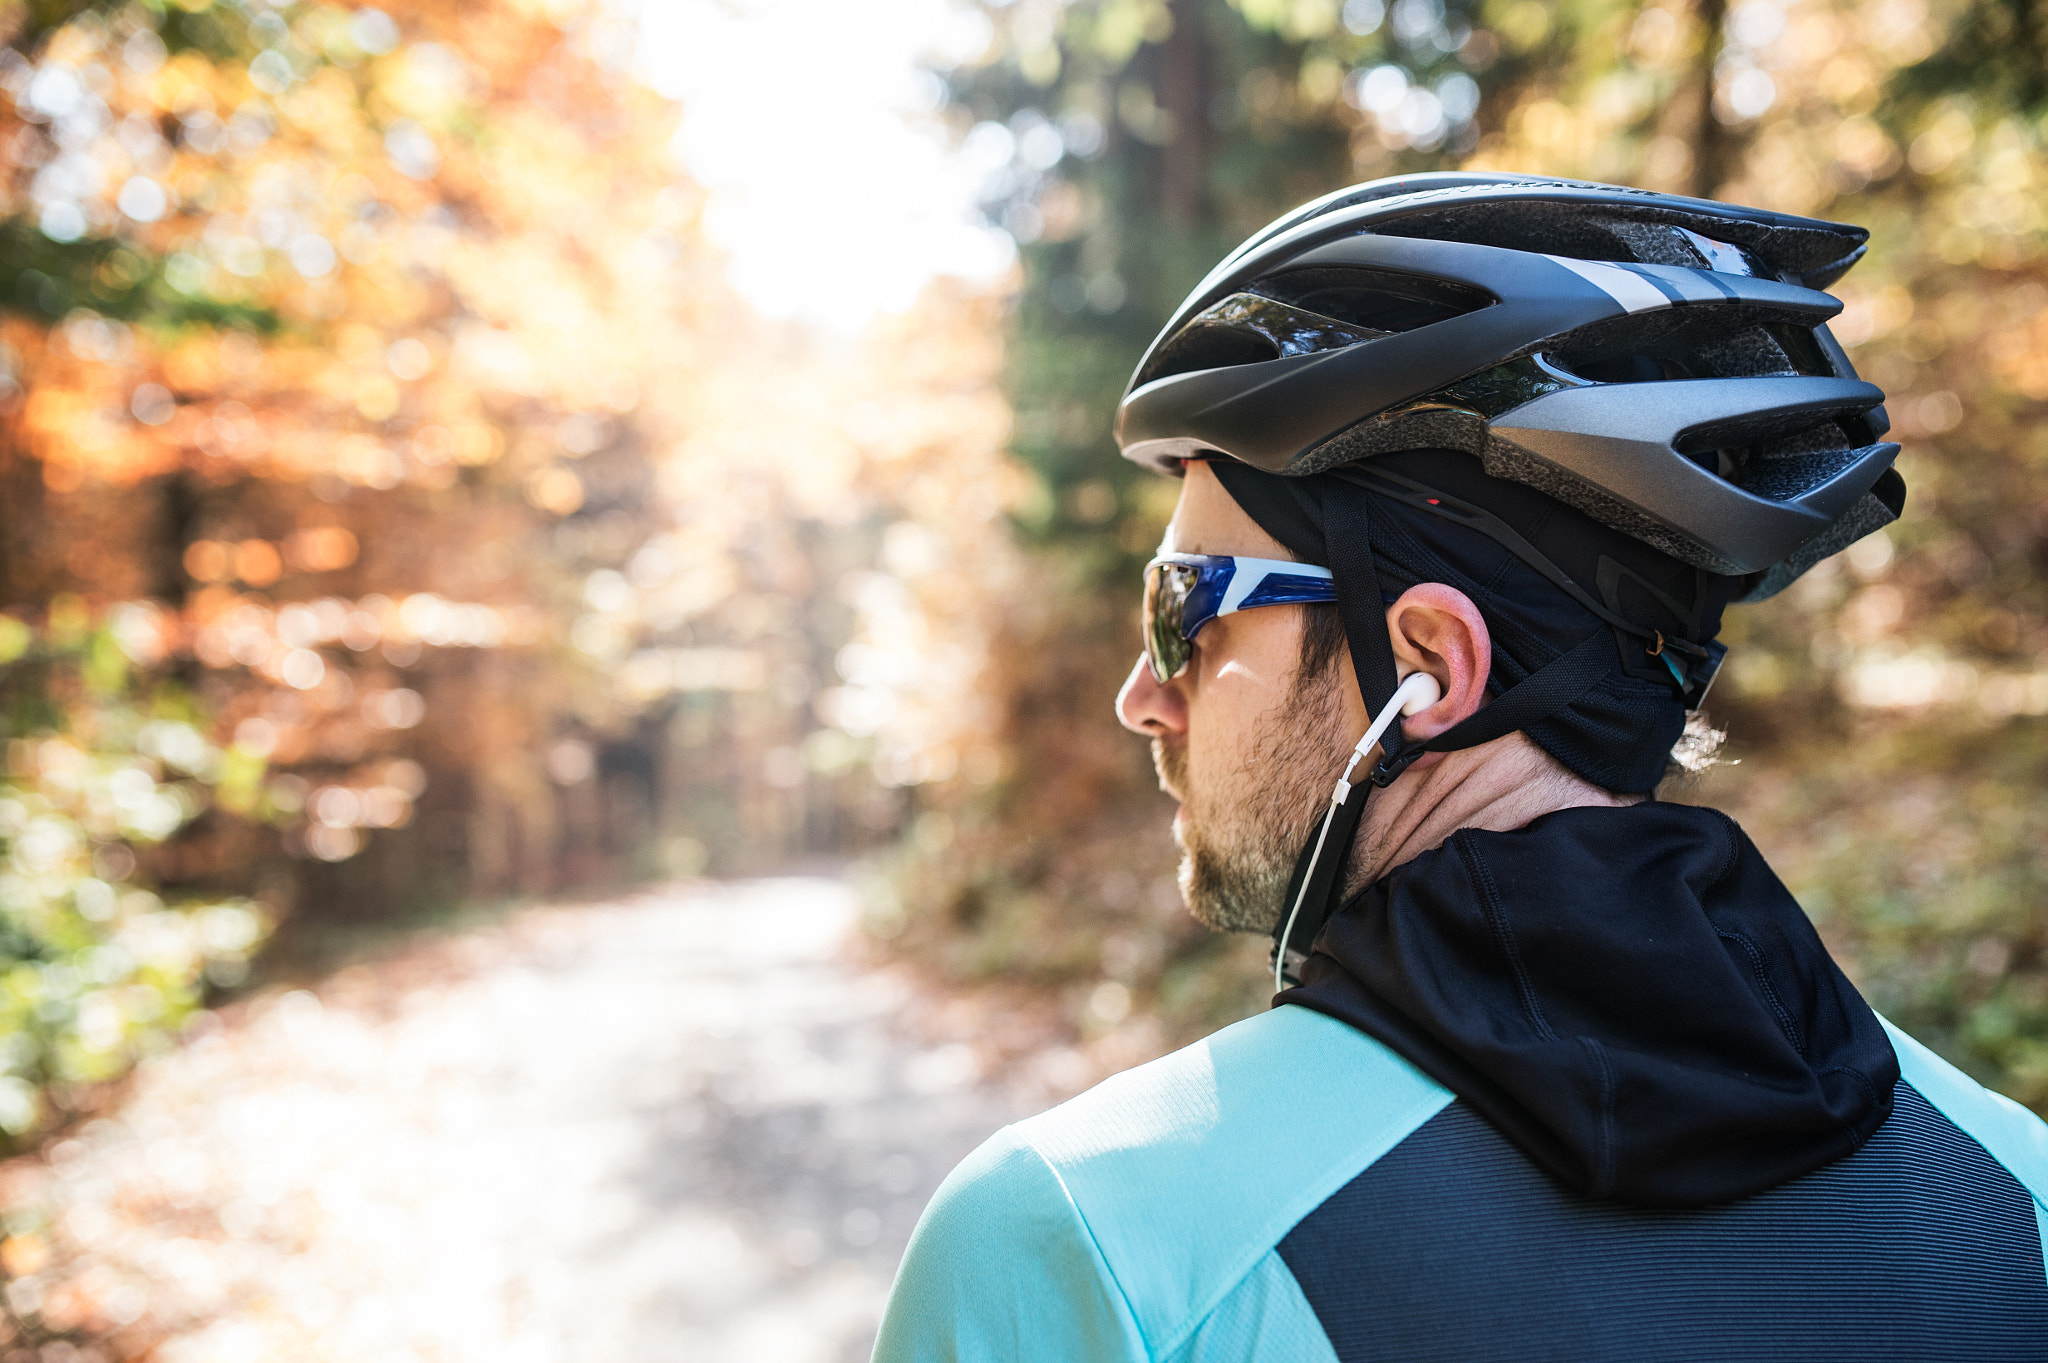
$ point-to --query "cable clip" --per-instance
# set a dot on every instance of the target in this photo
(1393, 763)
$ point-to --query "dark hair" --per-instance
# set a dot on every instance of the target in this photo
(1322, 640)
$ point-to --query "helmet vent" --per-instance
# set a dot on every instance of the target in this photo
(1248, 328)
(1789, 476)
(1646, 346)
(1382, 300)
(1209, 345)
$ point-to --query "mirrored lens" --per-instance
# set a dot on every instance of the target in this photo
(1166, 597)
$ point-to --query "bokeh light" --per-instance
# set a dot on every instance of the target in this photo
(816, 132)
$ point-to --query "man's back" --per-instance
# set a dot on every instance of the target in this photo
(1292, 1189)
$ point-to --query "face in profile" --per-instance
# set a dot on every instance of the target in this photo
(1242, 737)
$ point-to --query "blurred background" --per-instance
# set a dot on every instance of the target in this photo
(519, 452)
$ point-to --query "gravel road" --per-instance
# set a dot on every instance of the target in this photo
(684, 1126)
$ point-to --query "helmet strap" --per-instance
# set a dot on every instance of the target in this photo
(1317, 885)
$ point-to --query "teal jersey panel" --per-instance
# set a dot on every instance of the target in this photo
(1157, 1195)
(1191, 1168)
(1264, 1317)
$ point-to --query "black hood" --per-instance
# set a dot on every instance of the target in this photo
(1629, 994)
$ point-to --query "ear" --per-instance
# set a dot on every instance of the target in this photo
(1436, 629)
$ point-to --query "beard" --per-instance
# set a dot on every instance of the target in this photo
(1239, 837)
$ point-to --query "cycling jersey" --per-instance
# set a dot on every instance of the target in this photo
(1290, 1189)
(1297, 1188)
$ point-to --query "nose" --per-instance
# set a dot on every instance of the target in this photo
(1146, 707)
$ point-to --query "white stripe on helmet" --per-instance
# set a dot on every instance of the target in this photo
(1631, 290)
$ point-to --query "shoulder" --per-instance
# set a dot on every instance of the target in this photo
(1002, 1267)
(1257, 1115)
(2013, 1136)
(1172, 1182)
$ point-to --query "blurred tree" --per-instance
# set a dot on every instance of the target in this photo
(271, 350)
(94, 969)
(374, 415)
(281, 425)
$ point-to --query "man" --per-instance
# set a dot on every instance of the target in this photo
(1472, 464)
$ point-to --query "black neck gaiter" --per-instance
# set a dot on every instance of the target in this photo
(1629, 994)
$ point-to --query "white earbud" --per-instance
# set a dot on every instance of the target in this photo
(1417, 692)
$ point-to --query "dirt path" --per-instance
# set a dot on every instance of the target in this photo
(680, 1127)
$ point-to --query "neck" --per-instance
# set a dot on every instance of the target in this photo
(1497, 786)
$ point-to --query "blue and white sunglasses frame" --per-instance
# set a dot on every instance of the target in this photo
(1184, 592)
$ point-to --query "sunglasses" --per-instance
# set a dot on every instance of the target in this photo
(1184, 592)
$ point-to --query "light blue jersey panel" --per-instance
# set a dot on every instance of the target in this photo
(2015, 1137)
(1138, 1221)
(1003, 1267)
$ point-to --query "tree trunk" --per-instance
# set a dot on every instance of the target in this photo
(1184, 93)
(1713, 143)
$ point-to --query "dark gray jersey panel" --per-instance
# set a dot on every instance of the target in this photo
(1454, 1246)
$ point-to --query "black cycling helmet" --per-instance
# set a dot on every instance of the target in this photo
(1662, 364)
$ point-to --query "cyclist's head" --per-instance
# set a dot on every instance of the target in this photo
(1598, 413)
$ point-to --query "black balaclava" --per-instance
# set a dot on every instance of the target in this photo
(1618, 732)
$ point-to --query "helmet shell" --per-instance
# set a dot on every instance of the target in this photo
(1661, 363)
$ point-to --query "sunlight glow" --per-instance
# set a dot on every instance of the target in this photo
(813, 125)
